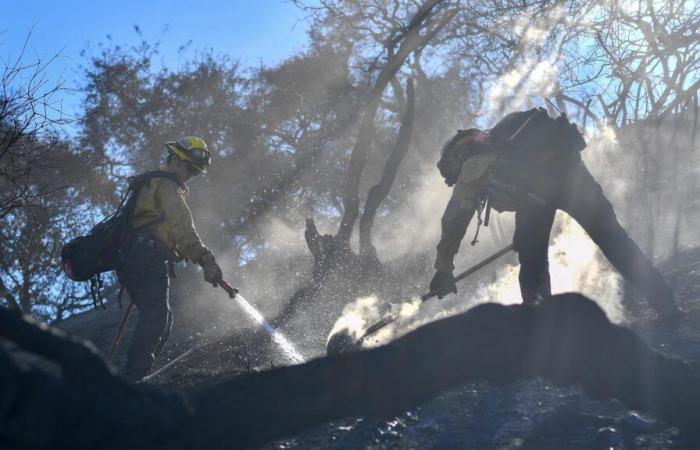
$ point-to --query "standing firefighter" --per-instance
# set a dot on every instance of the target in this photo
(530, 163)
(162, 231)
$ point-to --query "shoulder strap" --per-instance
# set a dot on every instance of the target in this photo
(148, 176)
(138, 182)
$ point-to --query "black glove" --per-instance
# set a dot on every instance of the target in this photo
(442, 284)
(212, 271)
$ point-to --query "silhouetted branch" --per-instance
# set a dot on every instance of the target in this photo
(411, 41)
(378, 192)
(28, 108)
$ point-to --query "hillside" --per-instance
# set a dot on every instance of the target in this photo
(524, 414)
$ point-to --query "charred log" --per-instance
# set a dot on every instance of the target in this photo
(567, 340)
(86, 407)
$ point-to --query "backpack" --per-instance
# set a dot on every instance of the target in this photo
(86, 257)
(525, 139)
(457, 149)
(533, 136)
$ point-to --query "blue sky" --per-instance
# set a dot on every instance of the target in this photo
(251, 31)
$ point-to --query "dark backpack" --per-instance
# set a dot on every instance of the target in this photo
(86, 257)
(456, 151)
(532, 136)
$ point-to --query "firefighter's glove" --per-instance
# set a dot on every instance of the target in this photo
(442, 284)
(212, 271)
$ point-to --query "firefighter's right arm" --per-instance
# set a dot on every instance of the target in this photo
(461, 208)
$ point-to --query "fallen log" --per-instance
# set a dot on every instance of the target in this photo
(85, 406)
(567, 340)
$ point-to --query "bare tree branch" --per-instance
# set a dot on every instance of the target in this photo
(378, 192)
(411, 41)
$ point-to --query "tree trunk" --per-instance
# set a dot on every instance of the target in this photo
(411, 41)
(378, 192)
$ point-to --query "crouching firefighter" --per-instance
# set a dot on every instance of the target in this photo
(161, 232)
(530, 163)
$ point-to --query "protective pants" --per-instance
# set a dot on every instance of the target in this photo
(577, 193)
(144, 275)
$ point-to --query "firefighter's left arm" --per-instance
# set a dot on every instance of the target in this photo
(179, 219)
(461, 208)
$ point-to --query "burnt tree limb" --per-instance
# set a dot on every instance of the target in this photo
(75, 357)
(410, 41)
(87, 406)
(567, 340)
(328, 251)
(379, 192)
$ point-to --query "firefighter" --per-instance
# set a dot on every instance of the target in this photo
(162, 232)
(530, 163)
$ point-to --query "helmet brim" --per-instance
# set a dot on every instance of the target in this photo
(173, 148)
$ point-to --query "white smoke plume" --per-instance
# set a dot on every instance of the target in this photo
(415, 227)
(576, 263)
(357, 317)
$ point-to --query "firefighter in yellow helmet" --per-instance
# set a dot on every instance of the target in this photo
(161, 232)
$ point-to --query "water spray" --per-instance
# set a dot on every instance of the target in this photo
(283, 343)
(287, 348)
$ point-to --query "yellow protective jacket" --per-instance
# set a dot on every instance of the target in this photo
(475, 174)
(161, 207)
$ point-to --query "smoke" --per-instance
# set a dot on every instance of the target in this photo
(364, 312)
(357, 317)
(576, 263)
(415, 227)
(282, 236)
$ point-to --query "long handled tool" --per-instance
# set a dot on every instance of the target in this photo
(173, 362)
(476, 267)
(120, 330)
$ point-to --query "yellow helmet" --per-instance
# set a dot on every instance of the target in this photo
(192, 150)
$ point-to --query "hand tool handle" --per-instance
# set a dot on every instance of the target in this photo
(473, 269)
